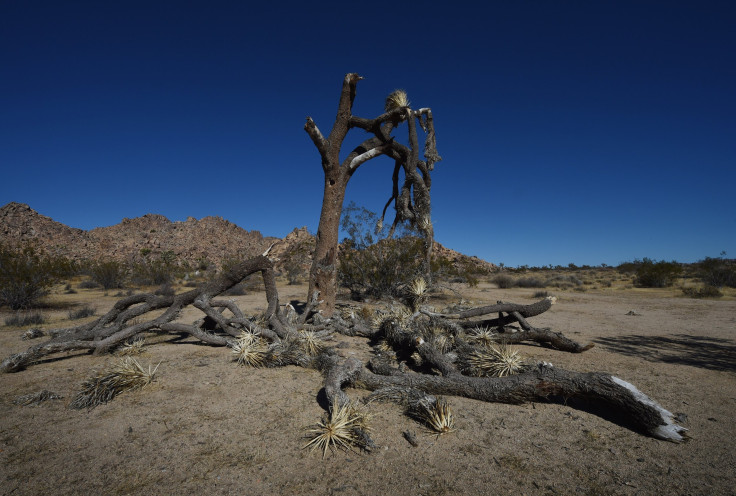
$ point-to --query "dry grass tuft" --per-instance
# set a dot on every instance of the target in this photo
(128, 375)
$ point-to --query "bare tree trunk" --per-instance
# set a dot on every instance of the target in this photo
(323, 274)
(412, 203)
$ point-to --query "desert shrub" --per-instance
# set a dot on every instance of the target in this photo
(503, 281)
(80, 313)
(110, 274)
(165, 290)
(717, 272)
(530, 282)
(651, 274)
(20, 319)
(706, 291)
(154, 272)
(371, 264)
(27, 273)
(563, 281)
(381, 269)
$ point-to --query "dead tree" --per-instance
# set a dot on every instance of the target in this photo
(506, 332)
(446, 360)
(411, 198)
(122, 323)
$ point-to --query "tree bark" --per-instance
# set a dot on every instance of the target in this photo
(541, 383)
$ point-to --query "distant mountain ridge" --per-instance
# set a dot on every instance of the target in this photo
(210, 239)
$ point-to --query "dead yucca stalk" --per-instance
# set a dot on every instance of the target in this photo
(36, 398)
(128, 375)
(435, 413)
(396, 99)
(342, 429)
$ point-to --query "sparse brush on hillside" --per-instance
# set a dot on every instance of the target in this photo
(651, 274)
(27, 273)
(717, 272)
(110, 274)
(155, 271)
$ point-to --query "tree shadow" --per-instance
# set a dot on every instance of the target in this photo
(682, 349)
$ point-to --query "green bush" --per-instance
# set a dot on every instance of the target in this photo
(530, 282)
(370, 264)
(152, 272)
(704, 292)
(27, 273)
(563, 281)
(503, 281)
(110, 274)
(717, 272)
(651, 274)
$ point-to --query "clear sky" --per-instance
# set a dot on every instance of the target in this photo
(571, 131)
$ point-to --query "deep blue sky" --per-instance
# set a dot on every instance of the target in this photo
(571, 131)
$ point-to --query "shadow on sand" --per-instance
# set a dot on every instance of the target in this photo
(683, 349)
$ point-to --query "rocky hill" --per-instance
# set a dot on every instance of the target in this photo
(210, 240)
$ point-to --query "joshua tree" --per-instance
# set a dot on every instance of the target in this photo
(418, 352)
(411, 199)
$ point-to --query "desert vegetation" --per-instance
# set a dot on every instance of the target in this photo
(417, 345)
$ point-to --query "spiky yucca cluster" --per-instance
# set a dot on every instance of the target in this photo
(342, 429)
(496, 360)
(250, 349)
(417, 293)
(132, 347)
(396, 99)
(311, 342)
(435, 413)
(289, 351)
(128, 375)
(483, 336)
(439, 339)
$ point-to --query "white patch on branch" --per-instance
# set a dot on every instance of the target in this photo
(366, 156)
(669, 431)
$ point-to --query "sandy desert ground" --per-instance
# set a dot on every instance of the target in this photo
(208, 426)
